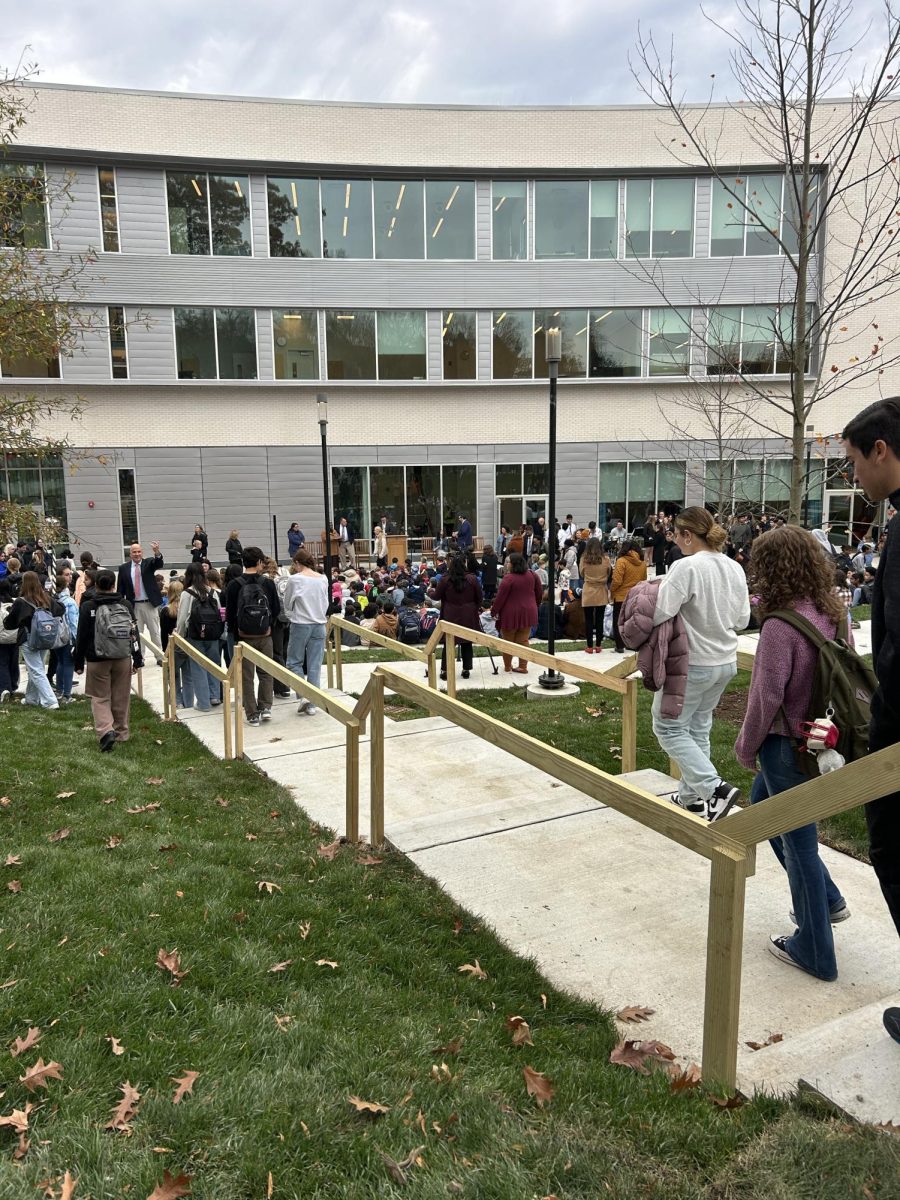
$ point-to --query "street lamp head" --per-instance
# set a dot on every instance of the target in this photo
(553, 342)
(322, 406)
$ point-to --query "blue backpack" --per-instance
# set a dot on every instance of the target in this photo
(44, 629)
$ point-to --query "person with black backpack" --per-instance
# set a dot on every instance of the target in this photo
(108, 649)
(39, 619)
(251, 608)
(199, 621)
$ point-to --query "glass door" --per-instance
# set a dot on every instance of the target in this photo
(535, 506)
(850, 515)
(509, 513)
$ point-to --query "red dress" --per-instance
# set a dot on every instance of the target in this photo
(516, 603)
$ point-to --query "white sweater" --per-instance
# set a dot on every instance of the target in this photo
(709, 590)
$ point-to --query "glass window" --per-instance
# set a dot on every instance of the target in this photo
(450, 210)
(670, 483)
(637, 218)
(195, 343)
(572, 324)
(296, 343)
(723, 340)
(236, 340)
(349, 492)
(118, 347)
(763, 221)
(783, 348)
(536, 479)
(346, 218)
(612, 494)
(508, 479)
(718, 482)
(401, 345)
(350, 344)
(36, 482)
(293, 217)
(53, 488)
(790, 218)
(758, 339)
(670, 341)
(777, 481)
(188, 212)
(509, 222)
(513, 336)
(561, 218)
(459, 485)
(641, 492)
(748, 481)
(38, 358)
(128, 508)
(25, 486)
(673, 218)
(728, 217)
(604, 218)
(109, 212)
(23, 209)
(386, 496)
(423, 501)
(399, 218)
(459, 345)
(229, 206)
(615, 349)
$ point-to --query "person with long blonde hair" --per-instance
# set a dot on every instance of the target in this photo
(33, 597)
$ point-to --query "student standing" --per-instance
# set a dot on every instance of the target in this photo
(34, 601)
(595, 570)
(306, 604)
(251, 606)
(199, 622)
(108, 648)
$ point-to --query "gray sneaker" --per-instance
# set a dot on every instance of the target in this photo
(839, 913)
(265, 714)
(254, 720)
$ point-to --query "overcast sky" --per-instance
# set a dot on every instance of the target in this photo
(438, 51)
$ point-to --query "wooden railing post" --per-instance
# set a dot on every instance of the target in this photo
(236, 670)
(140, 683)
(338, 660)
(329, 663)
(173, 686)
(164, 663)
(376, 760)
(724, 948)
(629, 726)
(227, 718)
(432, 672)
(450, 664)
(351, 767)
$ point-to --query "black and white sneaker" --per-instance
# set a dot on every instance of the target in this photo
(4, 696)
(265, 714)
(722, 800)
(254, 720)
(892, 1022)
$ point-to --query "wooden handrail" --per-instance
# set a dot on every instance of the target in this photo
(309, 691)
(176, 641)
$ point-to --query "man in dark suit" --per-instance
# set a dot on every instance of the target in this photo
(138, 585)
(346, 551)
(464, 532)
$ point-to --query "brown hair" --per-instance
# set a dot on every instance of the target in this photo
(593, 552)
(33, 590)
(702, 525)
(788, 565)
(303, 558)
(175, 588)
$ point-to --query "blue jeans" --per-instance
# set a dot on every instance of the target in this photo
(686, 738)
(813, 892)
(206, 687)
(184, 686)
(38, 690)
(65, 670)
(306, 643)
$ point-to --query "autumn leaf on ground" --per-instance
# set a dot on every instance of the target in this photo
(115, 1045)
(112, 842)
(5, 801)
(520, 1030)
(735, 1101)
(17, 1119)
(173, 1187)
(369, 860)
(453, 1047)
(14, 885)
(268, 886)
(222, 802)
(170, 960)
(635, 1013)
(22, 1147)
(167, 849)
(185, 1085)
(888, 1127)
(368, 1106)
(330, 850)
(770, 1041)
(59, 834)
(64, 795)
(635, 1055)
(12, 860)
(251, 837)
(125, 1110)
(538, 1085)
(282, 966)
(397, 1170)
(20, 1045)
(68, 1187)
(474, 969)
(155, 804)
(283, 1021)
(688, 1078)
(38, 1075)
(457, 926)
(326, 962)
(154, 780)
(304, 928)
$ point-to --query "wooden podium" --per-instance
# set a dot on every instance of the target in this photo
(398, 547)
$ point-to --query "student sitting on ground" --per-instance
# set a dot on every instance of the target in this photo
(386, 621)
(351, 613)
(408, 623)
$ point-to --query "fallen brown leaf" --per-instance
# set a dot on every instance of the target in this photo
(369, 860)
(124, 1112)
(168, 849)
(326, 962)
(14, 885)
(22, 1147)
(520, 1030)
(60, 834)
(239, 917)
(64, 795)
(543, 1000)
(735, 1101)
(20, 1045)
(771, 1040)
(268, 886)
(38, 1075)
(115, 1045)
(9, 983)
(635, 1055)
(170, 960)
(282, 966)
(474, 969)
(368, 1106)
(67, 1190)
(270, 1186)
(154, 780)
(304, 928)
(538, 1085)
(185, 1086)
(283, 1021)
(251, 837)
(151, 807)
(457, 927)
(12, 860)
(453, 1047)
(688, 1078)
(6, 801)
(222, 803)
(17, 1119)
(112, 842)
(173, 1187)
(635, 1013)
(330, 850)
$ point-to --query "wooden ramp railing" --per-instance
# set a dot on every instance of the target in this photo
(170, 688)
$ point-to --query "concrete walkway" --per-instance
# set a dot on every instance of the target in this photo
(608, 909)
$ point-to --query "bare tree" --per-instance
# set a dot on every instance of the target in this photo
(839, 162)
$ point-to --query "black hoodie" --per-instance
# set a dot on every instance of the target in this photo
(84, 641)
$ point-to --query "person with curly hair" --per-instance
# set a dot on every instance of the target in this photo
(789, 571)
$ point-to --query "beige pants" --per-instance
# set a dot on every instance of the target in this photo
(515, 635)
(346, 555)
(108, 684)
(147, 617)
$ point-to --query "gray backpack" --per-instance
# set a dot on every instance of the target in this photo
(113, 626)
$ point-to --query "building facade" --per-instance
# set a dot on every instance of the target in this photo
(406, 261)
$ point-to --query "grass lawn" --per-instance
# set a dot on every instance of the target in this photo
(367, 1001)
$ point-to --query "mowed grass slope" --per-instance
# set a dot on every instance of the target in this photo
(228, 872)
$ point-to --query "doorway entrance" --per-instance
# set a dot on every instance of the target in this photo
(850, 515)
(515, 511)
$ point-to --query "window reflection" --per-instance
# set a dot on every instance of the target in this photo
(399, 218)
(350, 343)
(346, 218)
(561, 218)
(572, 324)
(23, 211)
(604, 218)
(458, 343)
(293, 217)
(401, 345)
(512, 344)
(450, 223)
(509, 213)
(670, 341)
(615, 342)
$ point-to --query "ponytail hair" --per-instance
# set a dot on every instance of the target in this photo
(701, 524)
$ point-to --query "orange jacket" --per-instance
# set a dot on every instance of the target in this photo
(630, 569)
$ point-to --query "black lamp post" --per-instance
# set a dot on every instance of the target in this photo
(322, 406)
(553, 352)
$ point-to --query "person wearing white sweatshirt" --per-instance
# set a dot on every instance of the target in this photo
(709, 591)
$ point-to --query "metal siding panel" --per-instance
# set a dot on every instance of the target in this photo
(483, 350)
(97, 528)
(295, 491)
(400, 456)
(169, 498)
(236, 494)
(143, 220)
(486, 505)
(90, 361)
(483, 219)
(577, 481)
(703, 201)
(151, 343)
(259, 218)
(265, 351)
(435, 343)
(74, 207)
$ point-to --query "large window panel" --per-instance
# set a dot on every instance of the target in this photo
(637, 218)
(386, 497)
(350, 343)
(25, 366)
(401, 345)
(561, 218)
(236, 339)
(670, 341)
(604, 218)
(296, 343)
(764, 218)
(790, 217)
(718, 484)
(777, 481)
(346, 218)
(509, 219)
(459, 350)
(195, 343)
(460, 496)
(723, 340)
(23, 208)
(508, 479)
(423, 501)
(399, 218)
(673, 218)
(572, 324)
(641, 492)
(349, 496)
(128, 507)
(785, 340)
(612, 494)
(229, 207)
(512, 344)
(450, 222)
(670, 483)
(615, 342)
(188, 212)
(728, 217)
(758, 339)
(293, 217)
(748, 478)
(536, 479)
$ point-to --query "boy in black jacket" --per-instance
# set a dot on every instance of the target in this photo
(108, 680)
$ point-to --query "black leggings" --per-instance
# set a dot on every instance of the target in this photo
(594, 616)
(617, 608)
(465, 652)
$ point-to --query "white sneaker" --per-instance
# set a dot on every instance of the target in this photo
(311, 710)
(303, 707)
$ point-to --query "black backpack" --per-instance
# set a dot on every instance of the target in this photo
(254, 614)
(205, 618)
(408, 619)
